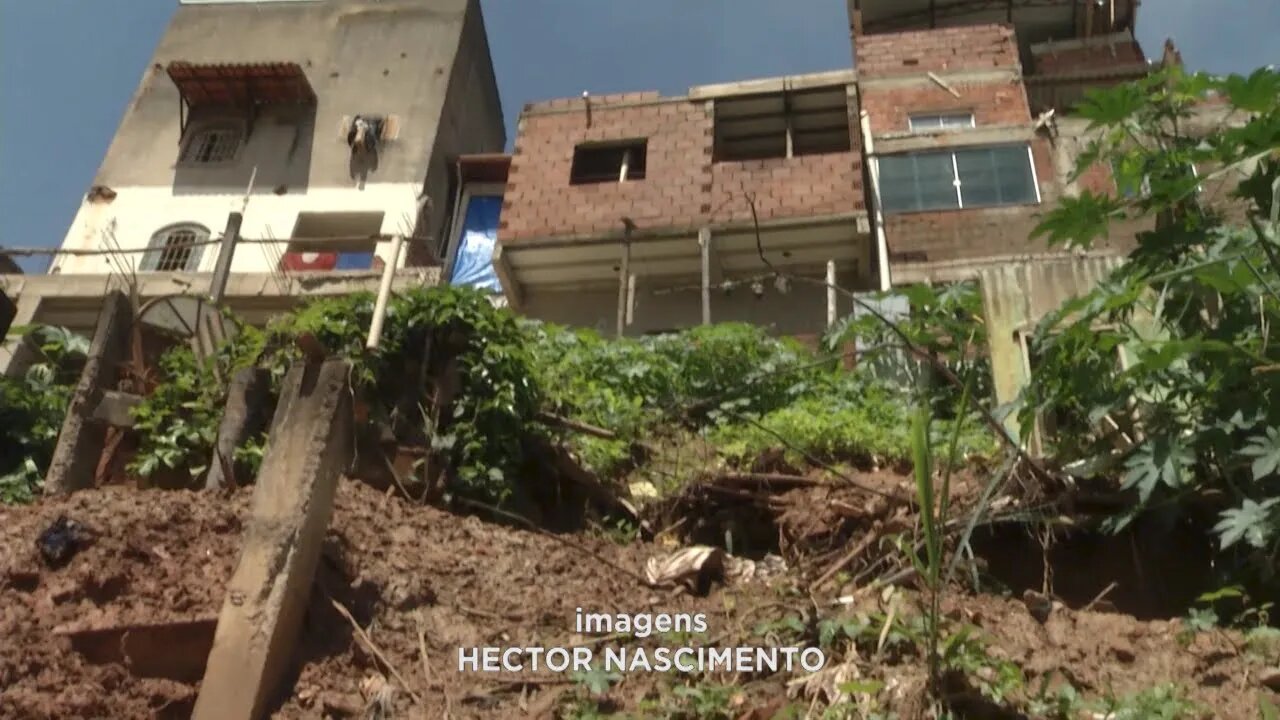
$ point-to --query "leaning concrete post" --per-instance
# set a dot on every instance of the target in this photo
(243, 417)
(309, 448)
(75, 457)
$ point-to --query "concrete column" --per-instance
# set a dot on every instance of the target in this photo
(309, 449)
(16, 355)
(75, 457)
(243, 417)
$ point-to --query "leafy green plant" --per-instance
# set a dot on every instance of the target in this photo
(1170, 362)
(1163, 702)
(32, 408)
(705, 701)
(178, 422)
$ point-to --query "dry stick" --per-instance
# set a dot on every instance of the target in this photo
(567, 543)
(374, 649)
(564, 422)
(426, 665)
(844, 561)
(1098, 598)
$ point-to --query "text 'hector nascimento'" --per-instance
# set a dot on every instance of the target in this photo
(580, 658)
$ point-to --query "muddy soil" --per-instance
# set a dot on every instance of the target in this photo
(421, 582)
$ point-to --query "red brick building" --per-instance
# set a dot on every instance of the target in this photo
(929, 160)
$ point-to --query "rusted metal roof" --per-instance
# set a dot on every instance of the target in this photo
(241, 84)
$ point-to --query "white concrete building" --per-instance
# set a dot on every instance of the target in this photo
(332, 125)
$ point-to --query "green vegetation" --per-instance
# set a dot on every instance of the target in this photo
(32, 408)
(1169, 365)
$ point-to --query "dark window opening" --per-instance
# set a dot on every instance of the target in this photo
(782, 125)
(609, 163)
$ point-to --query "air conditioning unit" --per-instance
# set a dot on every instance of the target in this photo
(309, 261)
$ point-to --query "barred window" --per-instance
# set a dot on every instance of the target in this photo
(212, 144)
(176, 248)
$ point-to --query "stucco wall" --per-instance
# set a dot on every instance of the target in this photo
(418, 60)
(386, 57)
(137, 213)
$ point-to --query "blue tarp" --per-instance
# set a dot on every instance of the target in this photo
(473, 264)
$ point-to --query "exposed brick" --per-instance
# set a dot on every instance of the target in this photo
(992, 103)
(975, 47)
(682, 187)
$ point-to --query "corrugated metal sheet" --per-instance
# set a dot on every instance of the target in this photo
(1016, 296)
(241, 84)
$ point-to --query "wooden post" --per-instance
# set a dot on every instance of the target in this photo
(266, 598)
(704, 244)
(222, 269)
(831, 294)
(384, 294)
(80, 444)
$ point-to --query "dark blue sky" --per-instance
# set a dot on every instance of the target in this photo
(69, 67)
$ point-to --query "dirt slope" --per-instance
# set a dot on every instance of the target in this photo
(402, 571)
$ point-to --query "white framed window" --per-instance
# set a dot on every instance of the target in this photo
(212, 144)
(967, 177)
(929, 122)
(175, 248)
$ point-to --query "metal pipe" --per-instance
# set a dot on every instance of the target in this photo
(877, 214)
(384, 294)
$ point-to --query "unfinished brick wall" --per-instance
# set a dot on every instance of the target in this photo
(810, 185)
(975, 47)
(992, 103)
(682, 187)
(541, 202)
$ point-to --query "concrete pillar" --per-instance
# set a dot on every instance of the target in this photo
(243, 417)
(309, 449)
(16, 355)
(75, 457)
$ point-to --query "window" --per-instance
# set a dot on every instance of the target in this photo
(214, 144)
(961, 178)
(608, 162)
(475, 237)
(941, 121)
(176, 248)
(324, 241)
(782, 125)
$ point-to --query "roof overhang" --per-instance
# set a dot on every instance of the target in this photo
(484, 168)
(674, 256)
(241, 85)
(1035, 20)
